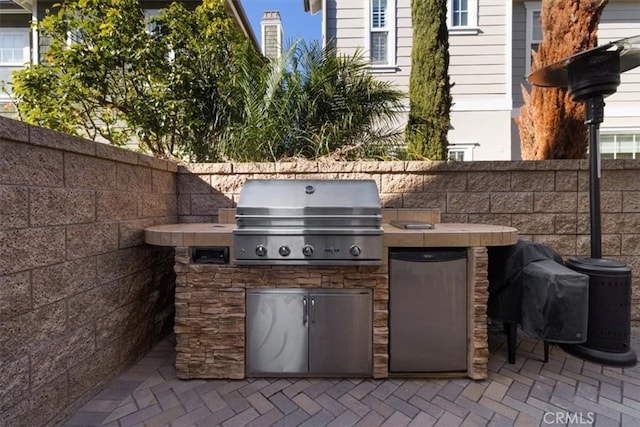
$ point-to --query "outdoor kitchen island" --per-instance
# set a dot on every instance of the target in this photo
(211, 289)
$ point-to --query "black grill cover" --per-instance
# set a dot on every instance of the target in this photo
(555, 302)
(505, 270)
(529, 285)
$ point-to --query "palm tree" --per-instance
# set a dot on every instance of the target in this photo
(311, 103)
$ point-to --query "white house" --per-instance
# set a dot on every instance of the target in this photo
(490, 41)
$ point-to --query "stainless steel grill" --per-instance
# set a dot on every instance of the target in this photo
(324, 222)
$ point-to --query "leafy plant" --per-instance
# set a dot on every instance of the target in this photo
(188, 84)
(110, 74)
(311, 103)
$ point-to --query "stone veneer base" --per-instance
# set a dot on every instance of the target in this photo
(210, 310)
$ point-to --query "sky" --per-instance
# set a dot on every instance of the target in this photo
(295, 21)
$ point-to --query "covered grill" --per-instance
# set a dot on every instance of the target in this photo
(323, 222)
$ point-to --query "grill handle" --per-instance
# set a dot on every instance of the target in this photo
(313, 310)
(305, 312)
(298, 217)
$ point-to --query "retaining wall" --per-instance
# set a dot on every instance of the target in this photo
(81, 295)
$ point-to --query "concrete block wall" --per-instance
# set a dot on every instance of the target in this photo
(81, 295)
(547, 201)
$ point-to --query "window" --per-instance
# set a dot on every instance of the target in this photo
(149, 23)
(462, 16)
(153, 28)
(14, 47)
(533, 32)
(379, 48)
(379, 13)
(461, 152)
(380, 41)
(460, 13)
(620, 146)
(379, 32)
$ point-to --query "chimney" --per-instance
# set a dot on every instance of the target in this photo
(272, 32)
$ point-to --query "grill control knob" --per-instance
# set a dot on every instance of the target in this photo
(307, 250)
(355, 250)
(284, 250)
(261, 250)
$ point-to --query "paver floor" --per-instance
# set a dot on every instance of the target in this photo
(564, 391)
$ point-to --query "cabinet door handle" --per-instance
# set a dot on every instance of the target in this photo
(313, 310)
(304, 311)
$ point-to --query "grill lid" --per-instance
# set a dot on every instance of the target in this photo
(301, 197)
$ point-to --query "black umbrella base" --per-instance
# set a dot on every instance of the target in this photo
(626, 359)
(609, 323)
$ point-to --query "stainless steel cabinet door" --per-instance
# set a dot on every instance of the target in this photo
(277, 336)
(340, 333)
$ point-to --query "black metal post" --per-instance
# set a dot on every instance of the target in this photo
(594, 112)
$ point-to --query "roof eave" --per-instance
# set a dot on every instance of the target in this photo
(237, 12)
(312, 6)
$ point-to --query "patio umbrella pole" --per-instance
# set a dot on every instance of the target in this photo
(594, 112)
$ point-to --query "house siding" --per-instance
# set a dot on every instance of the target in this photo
(518, 52)
(477, 62)
(487, 69)
(619, 19)
(477, 69)
(345, 25)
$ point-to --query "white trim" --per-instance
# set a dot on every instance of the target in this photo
(509, 53)
(35, 36)
(618, 111)
(391, 35)
(15, 12)
(324, 23)
(482, 104)
(472, 19)
(530, 8)
(25, 4)
(382, 69)
(464, 31)
(620, 130)
(465, 147)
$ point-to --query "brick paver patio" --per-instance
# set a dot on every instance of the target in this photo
(564, 391)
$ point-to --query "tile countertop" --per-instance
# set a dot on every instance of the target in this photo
(442, 235)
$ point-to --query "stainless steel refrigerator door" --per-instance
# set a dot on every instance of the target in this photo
(428, 316)
(277, 336)
(340, 333)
